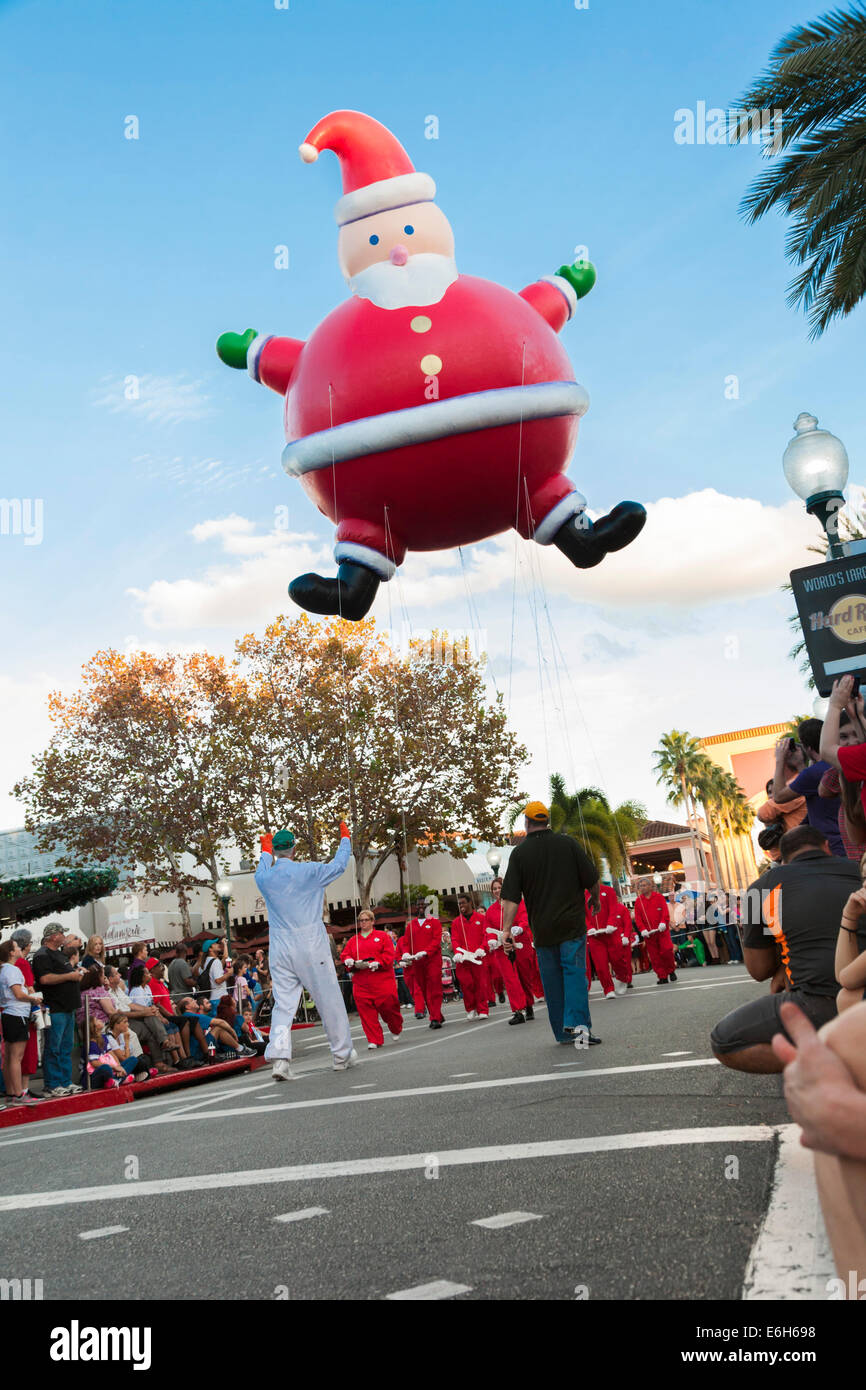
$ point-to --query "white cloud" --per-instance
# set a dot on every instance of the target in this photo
(234, 595)
(699, 549)
(201, 475)
(159, 400)
(27, 730)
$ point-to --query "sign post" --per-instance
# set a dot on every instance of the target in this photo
(831, 605)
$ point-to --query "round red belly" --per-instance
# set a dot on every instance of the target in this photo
(447, 492)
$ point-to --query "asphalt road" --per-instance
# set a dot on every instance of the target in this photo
(641, 1169)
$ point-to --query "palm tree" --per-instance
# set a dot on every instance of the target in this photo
(817, 84)
(738, 817)
(709, 788)
(678, 767)
(587, 816)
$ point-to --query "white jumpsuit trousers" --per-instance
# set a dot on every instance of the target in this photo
(300, 952)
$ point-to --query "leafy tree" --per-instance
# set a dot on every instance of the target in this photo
(398, 902)
(162, 763)
(134, 771)
(817, 81)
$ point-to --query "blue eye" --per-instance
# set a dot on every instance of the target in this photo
(409, 229)
(374, 240)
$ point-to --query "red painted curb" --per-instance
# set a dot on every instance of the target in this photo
(120, 1095)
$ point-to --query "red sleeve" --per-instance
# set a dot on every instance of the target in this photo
(522, 918)
(387, 954)
(551, 303)
(275, 363)
(852, 761)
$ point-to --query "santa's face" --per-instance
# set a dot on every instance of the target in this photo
(400, 258)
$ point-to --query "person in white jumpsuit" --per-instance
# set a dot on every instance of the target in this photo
(300, 953)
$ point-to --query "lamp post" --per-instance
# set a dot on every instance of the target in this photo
(224, 893)
(816, 468)
(494, 859)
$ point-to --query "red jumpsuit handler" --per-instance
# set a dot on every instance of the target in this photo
(597, 942)
(519, 998)
(652, 920)
(468, 938)
(422, 940)
(369, 958)
(619, 943)
(405, 952)
(525, 958)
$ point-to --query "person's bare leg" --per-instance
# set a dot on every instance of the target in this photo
(759, 1058)
(841, 1189)
(842, 1181)
(848, 997)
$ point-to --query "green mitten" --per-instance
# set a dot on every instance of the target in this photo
(232, 348)
(581, 276)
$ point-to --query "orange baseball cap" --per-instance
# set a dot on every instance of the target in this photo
(536, 810)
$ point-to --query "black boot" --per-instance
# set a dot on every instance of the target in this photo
(587, 542)
(529, 1012)
(349, 596)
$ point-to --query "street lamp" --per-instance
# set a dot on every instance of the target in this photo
(494, 859)
(224, 893)
(816, 467)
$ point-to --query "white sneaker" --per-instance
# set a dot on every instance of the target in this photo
(611, 995)
(282, 1070)
(395, 1036)
(472, 1014)
(373, 1047)
(73, 1090)
(351, 1061)
(581, 1038)
(620, 987)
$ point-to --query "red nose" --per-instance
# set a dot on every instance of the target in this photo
(399, 255)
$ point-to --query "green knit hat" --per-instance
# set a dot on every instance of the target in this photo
(284, 839)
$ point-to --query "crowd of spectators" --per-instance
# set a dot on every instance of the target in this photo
(804, 933)
(123, 1026)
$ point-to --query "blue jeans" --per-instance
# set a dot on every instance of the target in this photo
(57, 1056)
(563, 974)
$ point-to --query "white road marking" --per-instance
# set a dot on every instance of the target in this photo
(304, 1214)
(678, 1054)
(440, 1288)
(506, 1218)
(455, 1076)
(683, 989)
(391, 1163)
(215, 1100)
(102, 1231)
(791, 1258)
(362, 1085)
(492, 1084)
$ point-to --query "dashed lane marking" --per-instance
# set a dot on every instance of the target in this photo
(506, 1218)
(303, 1215)
(438, 1289)
(102, 1231)
(390, 1163)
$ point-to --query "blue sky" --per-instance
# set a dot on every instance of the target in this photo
(128, 257)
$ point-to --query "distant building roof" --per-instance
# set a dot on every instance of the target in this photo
(762, 731)
(661, 830)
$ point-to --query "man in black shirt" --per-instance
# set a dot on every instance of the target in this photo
(60, 983)
(551, 873)
(790, 925)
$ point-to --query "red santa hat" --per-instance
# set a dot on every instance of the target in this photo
(377, 172)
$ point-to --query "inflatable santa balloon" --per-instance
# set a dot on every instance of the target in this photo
(431, 409)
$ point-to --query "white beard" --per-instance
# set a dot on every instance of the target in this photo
(422, 280)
